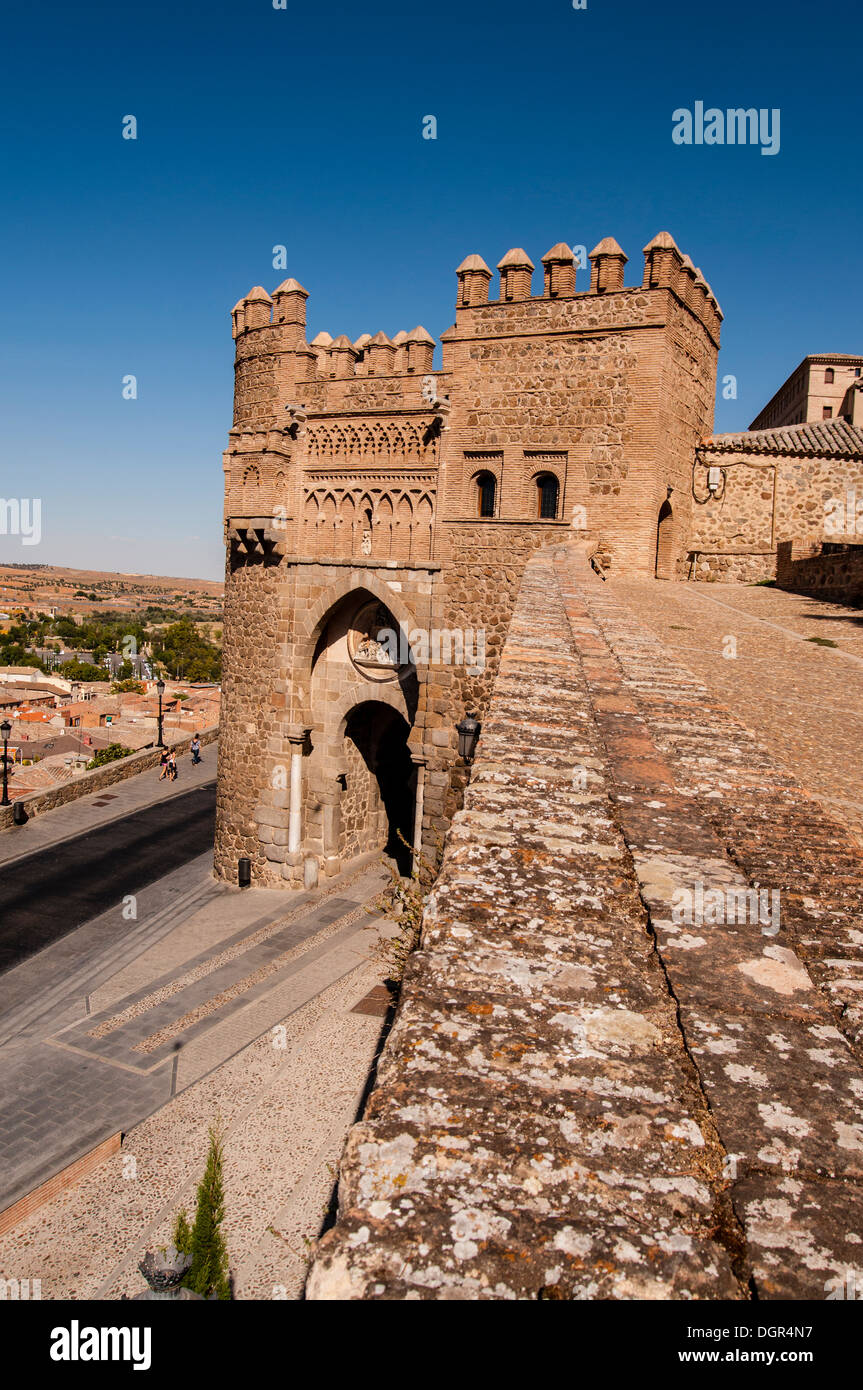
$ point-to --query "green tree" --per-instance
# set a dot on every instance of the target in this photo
(208, 1273)
(109, 754)
(83, 671)
(182, 1234)
(13, 654)
(183, 650)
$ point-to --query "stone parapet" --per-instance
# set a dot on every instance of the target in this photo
(97, 779)
(536, 1114)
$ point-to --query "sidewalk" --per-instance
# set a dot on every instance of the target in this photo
(100, 808)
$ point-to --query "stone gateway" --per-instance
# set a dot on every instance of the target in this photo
(366, 492)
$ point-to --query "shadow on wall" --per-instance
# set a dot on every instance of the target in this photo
(664, 568)
(379, 734)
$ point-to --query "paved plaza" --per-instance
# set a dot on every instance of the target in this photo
(803, 699)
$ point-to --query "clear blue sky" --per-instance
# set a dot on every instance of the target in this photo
(302, 126)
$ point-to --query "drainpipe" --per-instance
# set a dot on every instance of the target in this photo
(419, 760)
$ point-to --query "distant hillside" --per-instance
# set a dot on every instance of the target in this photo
(42, 587)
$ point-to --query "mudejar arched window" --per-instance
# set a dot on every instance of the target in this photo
(548, 496)
(486, 489)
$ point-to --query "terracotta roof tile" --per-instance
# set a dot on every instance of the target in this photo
(831, 437)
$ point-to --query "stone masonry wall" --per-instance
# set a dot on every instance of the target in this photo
(361, 454)
(620, 385)
(766, 498)
(837, 575)
(582, 1097)
(248, 673)
(485, 564)
(537, 1126)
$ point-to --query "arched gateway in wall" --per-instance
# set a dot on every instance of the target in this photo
(359, 779)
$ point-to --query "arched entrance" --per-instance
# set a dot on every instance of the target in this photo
(378, 786)
(664, 567)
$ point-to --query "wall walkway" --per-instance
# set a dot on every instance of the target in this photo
(582, 1097)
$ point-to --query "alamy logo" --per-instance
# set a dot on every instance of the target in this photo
(440, 647)
(702, 906)
(20, 1288)
(21, 517)
(736, 126)
(844, 517)
(849, 1286)
(77, 1343)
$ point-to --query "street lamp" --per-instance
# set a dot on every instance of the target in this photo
(468, 734)
(160, 686)
(5, 730)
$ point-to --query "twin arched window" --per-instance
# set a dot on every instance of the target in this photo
(547, 495)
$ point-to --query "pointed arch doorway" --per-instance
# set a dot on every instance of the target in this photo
(664, 559)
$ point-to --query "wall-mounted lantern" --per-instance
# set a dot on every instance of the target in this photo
(468, 730)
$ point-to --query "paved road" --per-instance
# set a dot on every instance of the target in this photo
(50, 893)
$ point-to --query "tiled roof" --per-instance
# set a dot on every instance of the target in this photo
(833, 437)
(21, 694)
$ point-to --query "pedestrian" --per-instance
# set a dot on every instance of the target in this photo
(172, 766)
(195, 749)
(163, 764)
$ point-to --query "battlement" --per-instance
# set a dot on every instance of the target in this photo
(665, 268)
(275, 363)
(573, 406)
(262, 324)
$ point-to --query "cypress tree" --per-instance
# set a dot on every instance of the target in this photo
(208, 1273)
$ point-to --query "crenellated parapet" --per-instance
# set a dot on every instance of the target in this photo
(666, 268)
(274, 358)
(555, 405)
